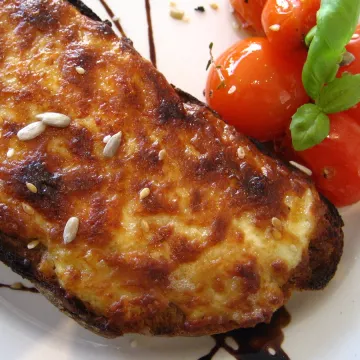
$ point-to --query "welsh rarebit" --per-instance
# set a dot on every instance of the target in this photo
(132, 206)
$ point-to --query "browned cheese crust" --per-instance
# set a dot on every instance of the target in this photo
(224, 236)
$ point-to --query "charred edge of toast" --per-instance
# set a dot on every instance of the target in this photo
(323, 257)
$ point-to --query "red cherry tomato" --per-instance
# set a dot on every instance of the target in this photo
(335, 162)
(353, 68)
(287, 22)
(249, 13)
(263, 88)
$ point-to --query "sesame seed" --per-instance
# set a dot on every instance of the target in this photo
(162, 154)
(17, 286)
(302, 168)
(214, 6)
(28, 209)
(275, 27)
(33, 244)
(10, 153)
(232, 90)
(106, 139)
(80, 70)
(240, 152)
(277, 223)
(144, 225)
(32, 187)
(177, 14)
(271, 351)
(115, 18)
(133, 344)
(144, 193)
(355, 36)
(71, 230)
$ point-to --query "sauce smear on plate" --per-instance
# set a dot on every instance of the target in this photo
(260, 343)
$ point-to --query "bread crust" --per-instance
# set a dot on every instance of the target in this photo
(318, 265)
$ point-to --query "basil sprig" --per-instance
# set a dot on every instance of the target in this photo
(336, 23)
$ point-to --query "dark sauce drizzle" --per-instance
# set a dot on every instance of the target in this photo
(150, 33)
(22, 288)
(260, 343)
(112, 16)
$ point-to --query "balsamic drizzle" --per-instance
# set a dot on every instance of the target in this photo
(150, 33)
(113, 18)
(22, 288)
(260, 343)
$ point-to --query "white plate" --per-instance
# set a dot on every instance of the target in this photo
(325, 325)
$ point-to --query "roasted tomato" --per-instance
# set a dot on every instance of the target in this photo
(257, 89)
(354, 67)
(287, 22)
(335, 162)
(249, 13)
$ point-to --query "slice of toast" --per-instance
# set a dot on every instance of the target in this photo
(187, 228)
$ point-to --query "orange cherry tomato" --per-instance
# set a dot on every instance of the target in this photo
(263, 88)
(354, 68)
(335, 162)
(249, 13)
(287, 22)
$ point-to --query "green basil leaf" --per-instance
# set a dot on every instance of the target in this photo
(336, 23)
(340, 95)
(309, 127)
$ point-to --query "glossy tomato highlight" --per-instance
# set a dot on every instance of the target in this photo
(287, 22)
(335, 162)
(249, 13)
(263, 88)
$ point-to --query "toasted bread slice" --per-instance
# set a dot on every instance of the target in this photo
(186, 227)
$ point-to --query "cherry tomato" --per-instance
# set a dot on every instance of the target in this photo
(263, 88)
(353, 67)
(249, 13)
(287, 22)
(335, 162)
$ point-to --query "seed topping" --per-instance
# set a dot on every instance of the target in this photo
(81, 70)
(112, 145)
(31, 131)
(54, 119)
(162, 154)
(240, 152)
(10, 153)
(33, 244)
(32, 187)
(28, 209)
(144, 193)
(71, 230)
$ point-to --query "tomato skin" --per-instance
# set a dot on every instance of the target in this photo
(295, 17)
(249, 13)
(335, 162)
(268, 88)
(354, 68)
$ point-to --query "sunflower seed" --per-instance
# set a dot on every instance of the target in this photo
(33, 244)
(31, 131)
(144, 193)
(32, 187)
(71, 229)
(54, 119)
(112, 145)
